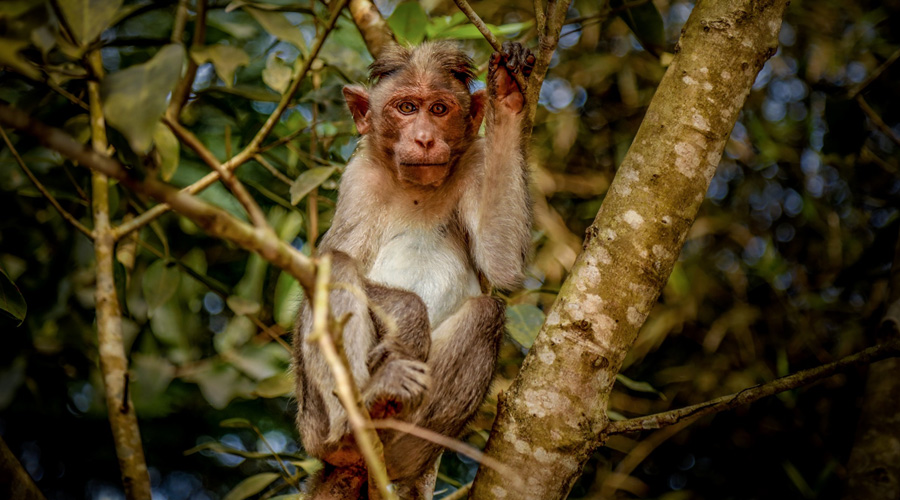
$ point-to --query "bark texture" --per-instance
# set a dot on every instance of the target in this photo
(552, 417)
(113, 360)
(14, 480)
(873, 471)
(372, 26)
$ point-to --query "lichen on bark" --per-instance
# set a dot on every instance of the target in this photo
(552, 417)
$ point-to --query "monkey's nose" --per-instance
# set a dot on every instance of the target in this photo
(425, 141)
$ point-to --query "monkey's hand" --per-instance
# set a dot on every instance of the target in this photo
(503, 89)
(397, 387)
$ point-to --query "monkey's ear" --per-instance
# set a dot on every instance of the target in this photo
(477, 106)
(358, 101)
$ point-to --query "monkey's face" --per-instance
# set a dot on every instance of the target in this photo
(419, 128)
(426, 130)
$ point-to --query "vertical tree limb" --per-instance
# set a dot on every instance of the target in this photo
(372, 26)
(183, 89)
(873, 470)
(548, 420)
(113, 360)
(360, 423)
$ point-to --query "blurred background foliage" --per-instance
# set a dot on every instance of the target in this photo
(784, 269)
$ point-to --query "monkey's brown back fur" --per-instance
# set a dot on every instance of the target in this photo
(427, 213)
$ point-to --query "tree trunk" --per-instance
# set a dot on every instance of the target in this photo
(874, 466)
(551, 419)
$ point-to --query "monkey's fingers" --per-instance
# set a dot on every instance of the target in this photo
(530, 60)
(512, 51)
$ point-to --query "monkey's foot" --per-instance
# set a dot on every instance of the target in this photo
(399, 386)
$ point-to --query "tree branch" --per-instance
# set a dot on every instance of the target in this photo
(372, 26)
(486, 33)
(755, 393)
(183, 90)
(360, 422)
(211, 219)
(14, 480)
(256, 215)
(452, 444)
(111, 348)
(40, 187)
(876, 119)
(254, 146)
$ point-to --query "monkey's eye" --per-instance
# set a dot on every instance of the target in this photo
(407, 108)
(438, 108)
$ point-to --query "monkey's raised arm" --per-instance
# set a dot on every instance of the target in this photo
(497, 211)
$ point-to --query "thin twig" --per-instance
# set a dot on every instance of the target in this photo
(875, 74)
(252, 148)
(183, 90)
(606, 12)
(272, 170)
(453, 444)
(312, 199)
(751, 394)
(213, 220)
(876, 119)
(360, 423)
(486, 33)
(40, 187)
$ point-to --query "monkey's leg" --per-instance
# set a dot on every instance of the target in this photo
(400, 377)
(321, 418)
(462, 362)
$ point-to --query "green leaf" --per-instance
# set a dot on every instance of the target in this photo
(225, 58)
(88, 18)
(168, 147)
(251, 486)
(242, 306)
(278, 26)
(275, 386)
(636, 386)
(470, 32)
(309, 180)
(646, 23)
(135, 98)
(236, 423)
(524, 321)
(408, 22)
(12, 303)
(277, 73)
(9, 56)
(441, 24)
(288, 294)
(159, 284)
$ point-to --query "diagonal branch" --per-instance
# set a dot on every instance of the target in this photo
(372, 26)
(213, 220)
(486, 33)
(752, 394)
(257, 217)
(40, 187)
(360, 422)
(876, 119)
(255, 144)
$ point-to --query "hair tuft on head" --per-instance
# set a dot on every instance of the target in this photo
(444, 54)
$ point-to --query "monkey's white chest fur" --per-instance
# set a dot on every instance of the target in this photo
(425, 262)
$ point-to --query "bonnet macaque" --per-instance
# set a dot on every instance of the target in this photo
(429, 218)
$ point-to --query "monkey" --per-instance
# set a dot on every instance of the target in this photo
(430, 218)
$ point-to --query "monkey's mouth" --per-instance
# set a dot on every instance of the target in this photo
(423, 164)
